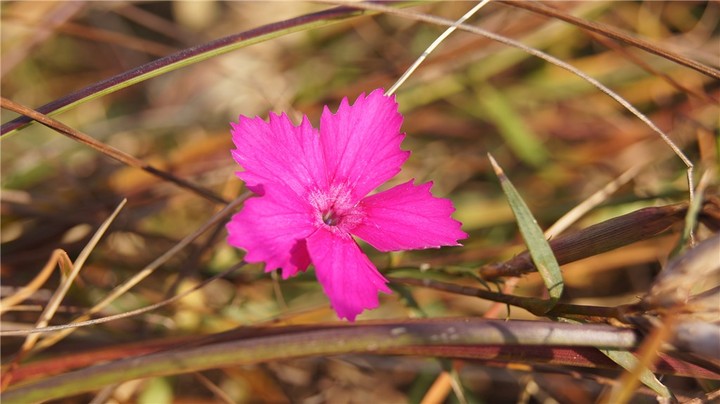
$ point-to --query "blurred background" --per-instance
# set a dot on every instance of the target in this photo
(558, 139)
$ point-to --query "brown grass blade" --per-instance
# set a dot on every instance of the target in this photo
(108, 150)
(606, 31)
(602, 237)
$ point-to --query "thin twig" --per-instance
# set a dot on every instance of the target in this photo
(145, 272)
(592, 201)
(57, 297)
(59, 258)
(189, 56)
(216, 390)
(432, 19)
(127, 314)
(535, 306)
(434, 45)
(108, 150)
(604, 30)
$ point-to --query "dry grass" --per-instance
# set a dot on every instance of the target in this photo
(558, 139)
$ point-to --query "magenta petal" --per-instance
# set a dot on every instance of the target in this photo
(349, 279)
(361, 143)
(278, 152)
(272, 229)
(408, 217)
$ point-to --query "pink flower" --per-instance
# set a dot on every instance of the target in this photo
(313, 188)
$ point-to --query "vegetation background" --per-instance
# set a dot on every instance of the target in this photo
(558, 139)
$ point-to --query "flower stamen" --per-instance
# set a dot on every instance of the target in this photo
(333, 207)
(330, 218)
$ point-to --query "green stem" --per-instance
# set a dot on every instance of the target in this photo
(190, 56)
(535, 306)
(294, 342)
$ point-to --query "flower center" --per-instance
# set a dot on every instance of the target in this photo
(334, 208)
(330, 218)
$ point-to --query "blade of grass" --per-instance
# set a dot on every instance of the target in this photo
(127, 314)
(629, 362)
(558, 356)
(539, 248)
(219, 393)
(566, 220)
(190, 56)
(593, 201)
(521, 140)
(77, 266)
(145, 272)
(598, 238)
(606, 31)
(434, 45)
(691, 217)
(59, 294)
(59, 257)
(432, 19)
(108, 150)
(304, 341)
(439, 390)
(456, 385)
(493, 61)
(623, 391)
(533, 305)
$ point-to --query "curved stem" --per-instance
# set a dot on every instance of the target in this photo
(189, 56)
(303, 341)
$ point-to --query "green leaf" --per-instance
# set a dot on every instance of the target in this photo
(521, 139)
(538, 246)
(629, 362)
(691, 217)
